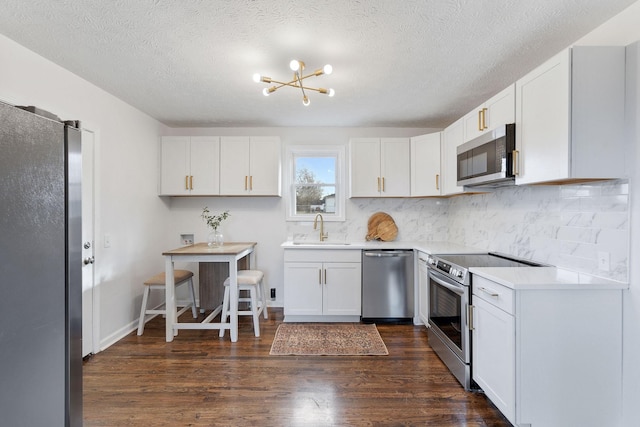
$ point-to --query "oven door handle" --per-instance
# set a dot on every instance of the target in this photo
(458, 289)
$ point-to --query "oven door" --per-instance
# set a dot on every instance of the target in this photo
(448, 307)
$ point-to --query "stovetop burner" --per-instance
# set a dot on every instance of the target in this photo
(457, 266)
(485, 260)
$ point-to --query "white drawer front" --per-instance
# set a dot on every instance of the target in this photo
(493, 293)
(322, 255)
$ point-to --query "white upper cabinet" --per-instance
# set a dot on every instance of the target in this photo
(425, 165)
(380, 167)
(569, 117)
(452, 137)
(250, 166)
(189, 166)
(497, 111)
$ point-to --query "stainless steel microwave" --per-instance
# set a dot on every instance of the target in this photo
(488, 159)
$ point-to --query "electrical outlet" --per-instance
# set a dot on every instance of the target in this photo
(273, 293)
(604, 261)
(186, 239)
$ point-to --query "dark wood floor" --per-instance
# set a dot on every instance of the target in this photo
(202, 380)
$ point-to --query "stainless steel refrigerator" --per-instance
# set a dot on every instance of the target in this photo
(40, 270)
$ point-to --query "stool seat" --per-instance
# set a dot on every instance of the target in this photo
(247, 277)
(159, 282)
(253, 282)
(161, 278)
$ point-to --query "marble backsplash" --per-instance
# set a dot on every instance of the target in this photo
(566, 225)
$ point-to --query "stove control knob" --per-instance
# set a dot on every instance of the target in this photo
(453, 272)
(458, 273)
(431, 261)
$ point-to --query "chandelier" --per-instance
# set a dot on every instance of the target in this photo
(298, 68)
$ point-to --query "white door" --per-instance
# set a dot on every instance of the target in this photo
(88, 144)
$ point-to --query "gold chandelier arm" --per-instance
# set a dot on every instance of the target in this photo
(297, 81)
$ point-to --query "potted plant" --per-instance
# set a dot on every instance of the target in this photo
(215, 237)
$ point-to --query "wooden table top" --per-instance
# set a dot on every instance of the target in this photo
(228, 248)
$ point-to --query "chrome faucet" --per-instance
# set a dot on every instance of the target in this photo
(315, 226)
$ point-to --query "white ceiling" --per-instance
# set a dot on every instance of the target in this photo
(397, 63)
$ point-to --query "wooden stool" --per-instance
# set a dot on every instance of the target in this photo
(159, 282)
(252, 281)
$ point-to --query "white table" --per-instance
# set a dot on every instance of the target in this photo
(200, 252)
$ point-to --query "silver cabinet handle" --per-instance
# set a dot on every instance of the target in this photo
(89, 260)
(489, 291)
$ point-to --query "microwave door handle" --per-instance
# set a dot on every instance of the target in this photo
(457, 289)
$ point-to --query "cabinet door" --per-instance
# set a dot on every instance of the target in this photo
(473, 124)
(498, 110)
(264, 166)
(423, 289)
(302, 288)
(501, 109)
(425, 165)
(342, 288)
(365, 179)
(234, 165)
(205, 166)
(452, 137)
(542, 122)
(494, 355)
(395, 167)
(174, 166)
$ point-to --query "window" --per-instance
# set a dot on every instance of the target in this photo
(315, 182)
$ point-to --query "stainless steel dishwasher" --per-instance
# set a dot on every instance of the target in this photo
(387, 285)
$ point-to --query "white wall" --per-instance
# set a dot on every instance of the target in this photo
(127, 207)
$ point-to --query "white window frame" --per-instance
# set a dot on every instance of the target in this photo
(337, 151)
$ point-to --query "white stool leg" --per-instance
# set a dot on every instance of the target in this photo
(225, 309)
(194, 309)
(143, 310)
(263, 294)
(253, 291)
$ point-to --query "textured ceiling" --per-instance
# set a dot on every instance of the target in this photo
(397, 63)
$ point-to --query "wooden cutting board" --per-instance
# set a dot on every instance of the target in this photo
(381, 226)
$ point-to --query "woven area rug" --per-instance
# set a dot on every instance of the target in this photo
(328, 339)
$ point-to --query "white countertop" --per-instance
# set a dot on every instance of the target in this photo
(520, 278)
(541, 278)
(428, 247)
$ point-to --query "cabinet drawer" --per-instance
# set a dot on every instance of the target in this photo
(322, 255)
(494, 293)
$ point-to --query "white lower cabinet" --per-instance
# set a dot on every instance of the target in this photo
(322, 285)
(494, 355)
(549, 357)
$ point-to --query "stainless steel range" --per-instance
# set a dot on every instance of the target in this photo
(449, 302)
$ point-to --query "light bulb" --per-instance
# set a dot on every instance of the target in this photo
(305, 101)
(265, 91)
(328, 69)
(331, 92)
(294, 65)
(257, 77)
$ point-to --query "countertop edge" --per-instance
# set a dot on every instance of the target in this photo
(546, 278)
(435, 247)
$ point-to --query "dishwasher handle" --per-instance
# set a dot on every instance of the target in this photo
(388, 253)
